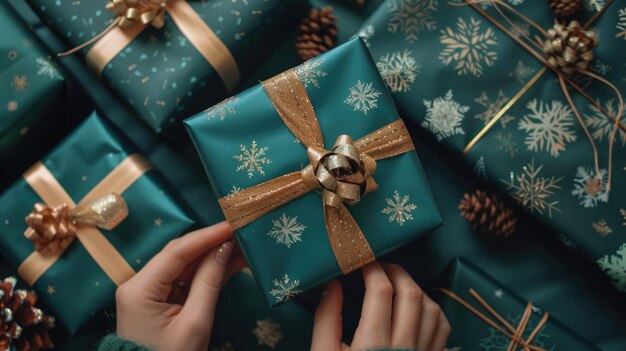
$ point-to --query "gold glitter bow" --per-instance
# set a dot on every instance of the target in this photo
(53, 228)
(130, 12)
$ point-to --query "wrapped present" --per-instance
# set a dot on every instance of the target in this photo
(93, 188)
(295, 238)
(170, 58)
(541, 113)
(485, 315)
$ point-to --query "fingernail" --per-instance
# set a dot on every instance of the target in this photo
(224, 252)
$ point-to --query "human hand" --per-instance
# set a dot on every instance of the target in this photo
(170, 303)
(396, 314)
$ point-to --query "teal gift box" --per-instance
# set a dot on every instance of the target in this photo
(161, 74)
(537, 152)
(93, 160)
(245, 145)
(470, 331)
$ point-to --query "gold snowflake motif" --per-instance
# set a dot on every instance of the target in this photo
(532, 190)
(12, 106)
(20, 83)
(252, 159)
(492, 108)
(285, 288)
(399, 210)
(621, 24)
(223, 109)
(267, 333)
(469, 48)
(602, 228)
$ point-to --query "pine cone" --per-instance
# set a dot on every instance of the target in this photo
(21, 324)
(487, 214)
(317, 33)
(569, 48)
(564, 8)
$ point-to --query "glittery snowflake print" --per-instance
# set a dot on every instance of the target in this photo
(366, 33)
(363, 97)
(479, 168)
(399, 70)
(601, 227)
(492, 108)
(267, 333)
(590, 187)
(309, 72)
(286, 230)
(223, 109)
(285, 288)
(521, 73)
(234, 189)
(496, 341)
(444, 116)
(601, 67)
(601, 126)
(399, 209)
(469, 48)
(621, 24)
(548, 126)
(20, 83)
(252, 159)
(506, 144)
(594, 5)
(411, 17)
(46, 68)
(532, 190)
(227, 346)
(568, 241)
(615, 267)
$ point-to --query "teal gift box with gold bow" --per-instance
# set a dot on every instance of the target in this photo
(538, 120)
(95, 213)
(306, 211)
(170, 58)
(485, 315)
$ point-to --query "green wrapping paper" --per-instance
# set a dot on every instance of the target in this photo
(469, 332)
(75, 287)
(537, 152)
(161, 75)
(288, 249)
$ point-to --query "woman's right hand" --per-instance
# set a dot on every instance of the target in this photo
(396, 314)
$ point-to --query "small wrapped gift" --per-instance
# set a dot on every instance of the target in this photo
(294, 197)
(539, 121)
(169, 58)
(485, 315)
(93, 188)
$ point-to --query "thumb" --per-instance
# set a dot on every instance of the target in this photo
(205, 289)
(327, 324)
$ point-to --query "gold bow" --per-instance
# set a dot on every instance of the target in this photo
(130, 12)
(52, 229)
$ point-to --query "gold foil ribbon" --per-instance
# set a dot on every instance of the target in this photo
(515, 334)
(291, 101)
(95, 243)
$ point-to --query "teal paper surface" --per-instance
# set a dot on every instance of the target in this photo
(228, 133)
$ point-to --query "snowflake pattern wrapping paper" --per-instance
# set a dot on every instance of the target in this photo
(477, 335)
(160, 74)
(288, 248)
(537, 152)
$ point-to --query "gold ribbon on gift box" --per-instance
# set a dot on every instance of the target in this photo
(133, 16)
(544, 50)
(344, 174)
(55, 225)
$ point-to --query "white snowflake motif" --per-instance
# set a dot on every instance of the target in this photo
(366, 33)
(399, 70)
(20, 83)
(498, 293)
(594, 5)
(623, 213)
(285, 288)
(411, 17)
(496, 341)
(615, 267)
(399, 210)
(252, 159)
(532, 190)
(601, 227)
(521, 73)
(444, 116)
(309, 72)
(286, 230)
(621, 24)
(223, 109)
(601, 67)
(590, 187)
(492, 108)
(46, 68)
(234, 189)
(601, 125)
(267, 333)
(506, 144)
(548, 127)
(363, 97)
(479, 168)
(469, 48)
(520, 29)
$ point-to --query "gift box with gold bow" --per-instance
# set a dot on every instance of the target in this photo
(529, 98)
(328, 183)
(486, 315)
(170, 58)
(82, 220)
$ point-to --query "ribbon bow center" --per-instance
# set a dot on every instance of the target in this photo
(144, 12)
(344, 173)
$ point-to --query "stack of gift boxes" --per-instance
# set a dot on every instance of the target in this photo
(314, 167)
